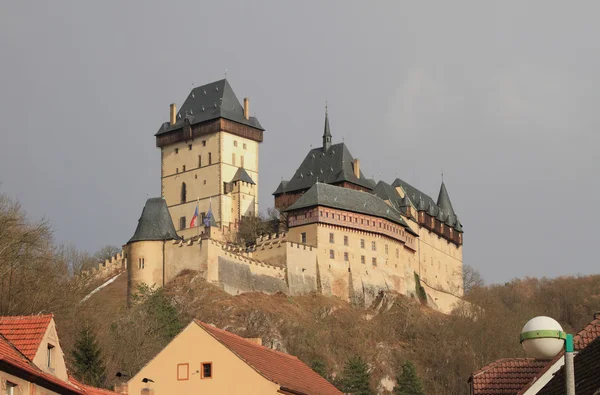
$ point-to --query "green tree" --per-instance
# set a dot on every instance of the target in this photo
(320, 367)
(89, 366)
(408, 383)
(355, 377)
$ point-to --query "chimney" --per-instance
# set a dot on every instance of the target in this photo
(173, 113)
(356, 166)
(246, 108)
(596, 315)
(256, 340)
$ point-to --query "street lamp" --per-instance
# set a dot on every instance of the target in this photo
(543, 338)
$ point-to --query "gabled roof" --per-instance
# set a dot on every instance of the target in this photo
(155, 223)
(505, 376)
(89, 390)
(587, 373)
(242, 175)
(208, 102)
(287, 371)
(331, 166)
(25, 332)
(587, 335)
(10, 355)
(350, 200)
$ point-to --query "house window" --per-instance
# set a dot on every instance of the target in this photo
(176, 150)
(199, 160)
(11, 388)
(242, 161)
(183, 371)
(362, 243)
(235, 143)
(50, 356)
(331, 239)
(182, 223)
(374, 261)
(244, 146)
(331, 254)
(303, 237)
(373, 246)
(206, 370)
(183, 168)
(233, 159)
(209, 158)
(362, 259)
(346, 256)
(204, 143)
(183, 192)
(345, 240)
(190, 147)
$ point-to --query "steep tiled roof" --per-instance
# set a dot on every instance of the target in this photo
(208, 102)
(505, 376)
(89, 390)
(155, 223)
(285, 370)
(587, 334)
(10, 355)
(587, 376)
(25, 332)
(242, 175)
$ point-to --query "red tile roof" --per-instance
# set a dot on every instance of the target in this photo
(25, 332)
(283, 369)
(587, 335)
(505, 376)
(89, 390)
(12, 356)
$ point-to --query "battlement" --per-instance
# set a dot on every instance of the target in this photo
(115, 264)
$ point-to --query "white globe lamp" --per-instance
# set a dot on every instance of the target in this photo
(542, 338)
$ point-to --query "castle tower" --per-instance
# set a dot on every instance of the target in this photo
(209, 143)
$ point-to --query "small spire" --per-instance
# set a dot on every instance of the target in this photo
(326, 131)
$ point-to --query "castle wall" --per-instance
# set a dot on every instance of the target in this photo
(440, 300)
(145, 264)
(302, 272)
(182, 256)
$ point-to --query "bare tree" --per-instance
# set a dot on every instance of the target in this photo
(471, 278)
(106, 252)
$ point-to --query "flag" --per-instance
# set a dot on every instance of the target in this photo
(208, 217)
(193, 221)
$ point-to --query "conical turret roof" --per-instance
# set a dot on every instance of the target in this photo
(444, 201)
(155, 223)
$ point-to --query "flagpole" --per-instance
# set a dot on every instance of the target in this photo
(198, 211)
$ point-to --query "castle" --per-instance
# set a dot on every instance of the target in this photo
(347, 236)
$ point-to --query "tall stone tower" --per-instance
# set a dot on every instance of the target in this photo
(209, 159)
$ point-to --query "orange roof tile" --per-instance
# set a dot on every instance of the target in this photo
(505, 376)
(89, 390)
(587, 335)
(11, 355)
(283, 369)
(25, 332)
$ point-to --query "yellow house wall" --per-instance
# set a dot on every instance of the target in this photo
(58, 367)
(23, 386)
(194, 346)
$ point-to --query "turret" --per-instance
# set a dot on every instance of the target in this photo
(326, 133)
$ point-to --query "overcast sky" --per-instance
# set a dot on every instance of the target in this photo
(503, 98)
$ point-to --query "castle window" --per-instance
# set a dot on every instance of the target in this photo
(242, 161)
(206, 370)
(209, 158)
(374, 261)
(327, 215)
(373, 246)
(183, 192)
(346, 256)
(362, 221)
(397, 253)
(235, 143)
(386, 249)
(190, 147)
(331, 254)
(303, 237)
(204, 143)
(362, 243)
(233, 159)
(344, 217)
(176, 150)
(331, 238)
(345, 240)
(177, 170)
(183, 168)
(182, 223)
(244, 145)
(362, 259)
(199, 160)
(204, 182)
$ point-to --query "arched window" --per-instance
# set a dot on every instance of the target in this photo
(183, 192)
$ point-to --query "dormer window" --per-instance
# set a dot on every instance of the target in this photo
(50, 356)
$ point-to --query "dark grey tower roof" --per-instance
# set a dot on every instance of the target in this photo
(444, 201)
(155, 223)
(208, 102)
(242, 175)
(326, 133)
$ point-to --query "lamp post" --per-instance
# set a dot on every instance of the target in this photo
(543, 338)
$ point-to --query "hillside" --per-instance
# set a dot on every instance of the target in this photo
(445, 349)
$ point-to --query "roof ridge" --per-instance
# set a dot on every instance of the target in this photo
(17, 317)
(498, 362)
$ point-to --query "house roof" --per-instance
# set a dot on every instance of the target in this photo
(25, 332)
(155, 223)
(11, 355)
(587, 379)
(587, 334)
(208, 102)
(285, 370)
(505, 376)
(242, 175)
(350, 200)
(334, 165)
(89, 390)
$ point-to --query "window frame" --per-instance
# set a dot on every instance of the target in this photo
(187, 365)
(331, 254)
(331, 238)
(202, 376)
